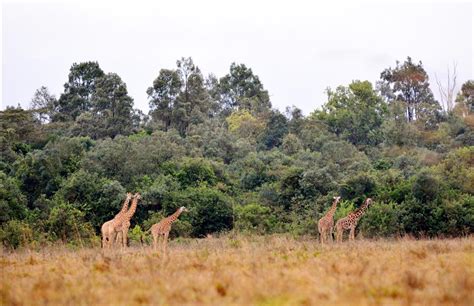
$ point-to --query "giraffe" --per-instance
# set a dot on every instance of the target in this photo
(326, 223)
(350, 221)
(122, 228)
(163, 228)
(106, 228)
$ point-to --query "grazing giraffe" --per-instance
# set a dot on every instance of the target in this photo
(124, 225)
(163, 228)
(350, 221)
(326, 223)
(106, 228)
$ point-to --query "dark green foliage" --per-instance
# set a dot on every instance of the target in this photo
(99, 199)
(78, 91)
(426, 186)
(15, 233)
(210, 211)
(277, 128)
(358, 187)
(241, 89)
(217, 147)
(111, 111)
(382, 220)
(41, 171)
(194, 172)
(254, 218)
(466, 96)
(67, 224)
(12, 201)
(355, 113)
(409, 83)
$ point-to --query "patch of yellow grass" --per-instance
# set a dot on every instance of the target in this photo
(264, 271)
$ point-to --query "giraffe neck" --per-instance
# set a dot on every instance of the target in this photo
(174, 216)
(358, 213)
(129, 214)
(331, 211)
(124, 206)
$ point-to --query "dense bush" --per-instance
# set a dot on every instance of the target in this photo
(253, 218)
(14, 234)
(217, 147)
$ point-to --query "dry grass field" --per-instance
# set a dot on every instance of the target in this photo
(271, 270)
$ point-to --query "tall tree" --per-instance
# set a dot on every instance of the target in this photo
(194, 102)
(465, 97)
(180, 97)
(166, 88)
(355, 113)
(446, 92)
(112, 105)
(409, 82)
(78, 91)
(242, 89)
(43, 104)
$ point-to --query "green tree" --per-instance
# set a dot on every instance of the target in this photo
(13, 204)
(112, 106)
(43, 104)
(275, 130)
(78, 91)
(355, 113)
(211, 210)
(166, 88)
(99, 199)
(15, 233)
(253, 218)
(66, 223)
(194, 172)
(193, 104)
(242, 89)
(409, 82)
(42, 171)
(465, 96)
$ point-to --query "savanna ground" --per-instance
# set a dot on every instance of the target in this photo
(268, 270)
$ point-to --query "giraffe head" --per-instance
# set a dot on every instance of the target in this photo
(336, 198)
(182, 208)
(129, 195)
(137, 196)
(369, 201)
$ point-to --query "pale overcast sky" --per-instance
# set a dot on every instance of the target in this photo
(297, 48)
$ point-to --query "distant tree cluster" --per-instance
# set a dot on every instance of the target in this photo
(216, 146)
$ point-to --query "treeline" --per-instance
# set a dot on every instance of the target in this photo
(216, 146)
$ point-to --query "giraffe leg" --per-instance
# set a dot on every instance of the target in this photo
(155, 240)
(338, 234)
(330, 234)
(165, 242)
(124, 237)
(352, 233)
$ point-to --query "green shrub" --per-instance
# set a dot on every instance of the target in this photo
(12, 201)
(381, 220)
(66, 223)
(457, 216)
(14, 234)
(253, 218)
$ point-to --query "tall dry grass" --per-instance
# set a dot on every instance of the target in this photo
(269, 270)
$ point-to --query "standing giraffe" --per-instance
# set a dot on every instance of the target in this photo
(163, 228)
(326, 223)
(124, 220)
(107, 227)
(350, 221)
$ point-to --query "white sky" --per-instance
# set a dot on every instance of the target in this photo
(297, 48)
